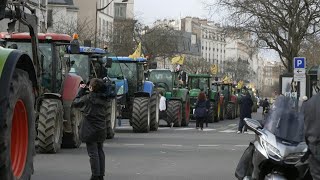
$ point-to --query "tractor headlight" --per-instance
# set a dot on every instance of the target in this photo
(120, 90)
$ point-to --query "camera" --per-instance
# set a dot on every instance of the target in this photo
(109, 87)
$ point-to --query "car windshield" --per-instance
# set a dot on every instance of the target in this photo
(161, 78)
(81, 65)
(284, 121)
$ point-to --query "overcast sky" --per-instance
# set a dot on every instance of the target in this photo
(148, 11)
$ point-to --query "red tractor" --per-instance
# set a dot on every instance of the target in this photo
(57, 122)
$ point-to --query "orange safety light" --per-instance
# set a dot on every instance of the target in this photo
(75, 36)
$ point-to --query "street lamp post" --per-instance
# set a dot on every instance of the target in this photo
(96, 24)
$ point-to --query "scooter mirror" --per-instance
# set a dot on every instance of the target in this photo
(253, 125)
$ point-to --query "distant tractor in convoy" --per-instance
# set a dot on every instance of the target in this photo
(178, 101)
(202, 82)
(138, 98)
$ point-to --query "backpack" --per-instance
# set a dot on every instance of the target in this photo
(201, 110)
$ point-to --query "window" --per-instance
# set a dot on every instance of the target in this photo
(120, 10)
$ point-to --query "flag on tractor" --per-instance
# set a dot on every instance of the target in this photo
(137, 53)
(178, 60)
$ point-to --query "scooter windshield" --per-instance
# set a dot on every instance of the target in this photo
(284, 122)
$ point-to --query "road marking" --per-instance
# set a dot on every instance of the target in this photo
(133, 144)
(164, 128)
(233, 125)
(208, 145)
(241, 145)
(172, 145)
(228, 131)
(181, 129)
(209, 129)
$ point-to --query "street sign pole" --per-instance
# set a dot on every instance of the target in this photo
(299, 76)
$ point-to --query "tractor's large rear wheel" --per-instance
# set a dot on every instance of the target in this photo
(50, 126)
(230, 111)
(141, 115)
(72, 140)
(174, 111)
(186, 112)
(111, 118)
(210, 117)
(154, 111)
(17, 129)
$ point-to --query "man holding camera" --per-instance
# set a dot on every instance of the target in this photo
(93, 129)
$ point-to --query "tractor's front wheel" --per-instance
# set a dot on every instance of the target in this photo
(186, 112)
(141, 115)
(50, 126)
(72, 140)
(111, 118)
(174, 111)
(154, 111)
(230, 111)
(210, 117)
(17, 128)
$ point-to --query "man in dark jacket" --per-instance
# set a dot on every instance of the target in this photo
(246, 104)
(312, 133)
(93, 129)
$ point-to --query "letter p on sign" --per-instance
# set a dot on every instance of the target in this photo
(299, 62)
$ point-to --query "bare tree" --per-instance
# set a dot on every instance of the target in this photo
(123, 43)
(238, 69)
(310, 49)
(279, 25)
(197, 66)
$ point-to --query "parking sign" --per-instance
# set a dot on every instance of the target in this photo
(299, 62)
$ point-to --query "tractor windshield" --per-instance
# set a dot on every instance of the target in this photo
(115, 71)
(80, 66)
(199, 83)
(45, 50)
(161, 79)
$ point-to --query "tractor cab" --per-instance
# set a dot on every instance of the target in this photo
(52, 48)
(88, 63)
(163, 79)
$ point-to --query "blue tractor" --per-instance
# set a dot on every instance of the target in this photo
(90, 63)
(138, 98)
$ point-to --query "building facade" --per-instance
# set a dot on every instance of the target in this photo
(62, 16)
(38, 23)
(103, 19)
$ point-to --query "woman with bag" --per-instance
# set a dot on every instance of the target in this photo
(201, 110)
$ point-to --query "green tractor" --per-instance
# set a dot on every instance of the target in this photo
(197, 83)
(178, 101)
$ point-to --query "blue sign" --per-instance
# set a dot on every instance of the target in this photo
(299, 62)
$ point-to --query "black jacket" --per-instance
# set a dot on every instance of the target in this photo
(246, 104)
(94, 109)
(201, 109)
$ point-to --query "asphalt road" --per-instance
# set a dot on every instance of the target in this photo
(168, 154)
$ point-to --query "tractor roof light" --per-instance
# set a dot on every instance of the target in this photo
(7, 36)
(48, 37)
(75, 36)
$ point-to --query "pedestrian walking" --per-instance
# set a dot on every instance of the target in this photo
(163, 108)
(265, 107)
(201, 110)
(246, 104)
(93, 130)
(311, 114)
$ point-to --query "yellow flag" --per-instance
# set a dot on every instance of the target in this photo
(137, 53)
(240, 84)
(178, 60)
(214, 69)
